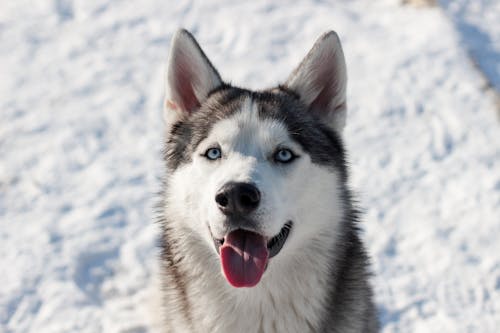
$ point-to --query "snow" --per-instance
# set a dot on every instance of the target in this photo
(477, 25)
(81, 133)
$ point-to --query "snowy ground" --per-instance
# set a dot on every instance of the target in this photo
(477, 24)
(80, 139)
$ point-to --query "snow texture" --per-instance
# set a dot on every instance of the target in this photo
(81, 134)
(478, 27)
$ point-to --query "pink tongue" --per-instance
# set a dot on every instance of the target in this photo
(244, 257)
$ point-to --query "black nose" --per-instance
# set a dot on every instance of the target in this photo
(237, 198)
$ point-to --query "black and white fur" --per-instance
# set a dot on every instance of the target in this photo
(319, 280)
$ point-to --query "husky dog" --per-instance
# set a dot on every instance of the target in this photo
(258, 226)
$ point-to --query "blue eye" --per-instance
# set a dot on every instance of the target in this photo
(213, 153)
(284, 156)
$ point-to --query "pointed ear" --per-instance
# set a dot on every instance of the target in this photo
(320, 81)
(190, 77)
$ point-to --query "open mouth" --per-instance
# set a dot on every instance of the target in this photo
(274, 245)
(244, 254)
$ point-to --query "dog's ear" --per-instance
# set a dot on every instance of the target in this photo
(190, 77)
(320, 81)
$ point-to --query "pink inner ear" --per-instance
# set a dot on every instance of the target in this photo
(320, 104)
(326, 81)
(184, 76)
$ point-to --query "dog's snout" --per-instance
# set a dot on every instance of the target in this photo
(238, 198)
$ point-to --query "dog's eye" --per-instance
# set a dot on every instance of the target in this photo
(284, 156)
(213, 153)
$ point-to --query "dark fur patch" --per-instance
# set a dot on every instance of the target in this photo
(350, 294)
(186, 134)
(321, 142)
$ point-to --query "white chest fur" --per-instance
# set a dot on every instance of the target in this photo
(289, 298)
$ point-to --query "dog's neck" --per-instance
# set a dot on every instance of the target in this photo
(290, 297)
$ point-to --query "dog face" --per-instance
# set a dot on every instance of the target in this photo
(255, 174)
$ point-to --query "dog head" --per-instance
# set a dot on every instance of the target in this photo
(255, 174)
